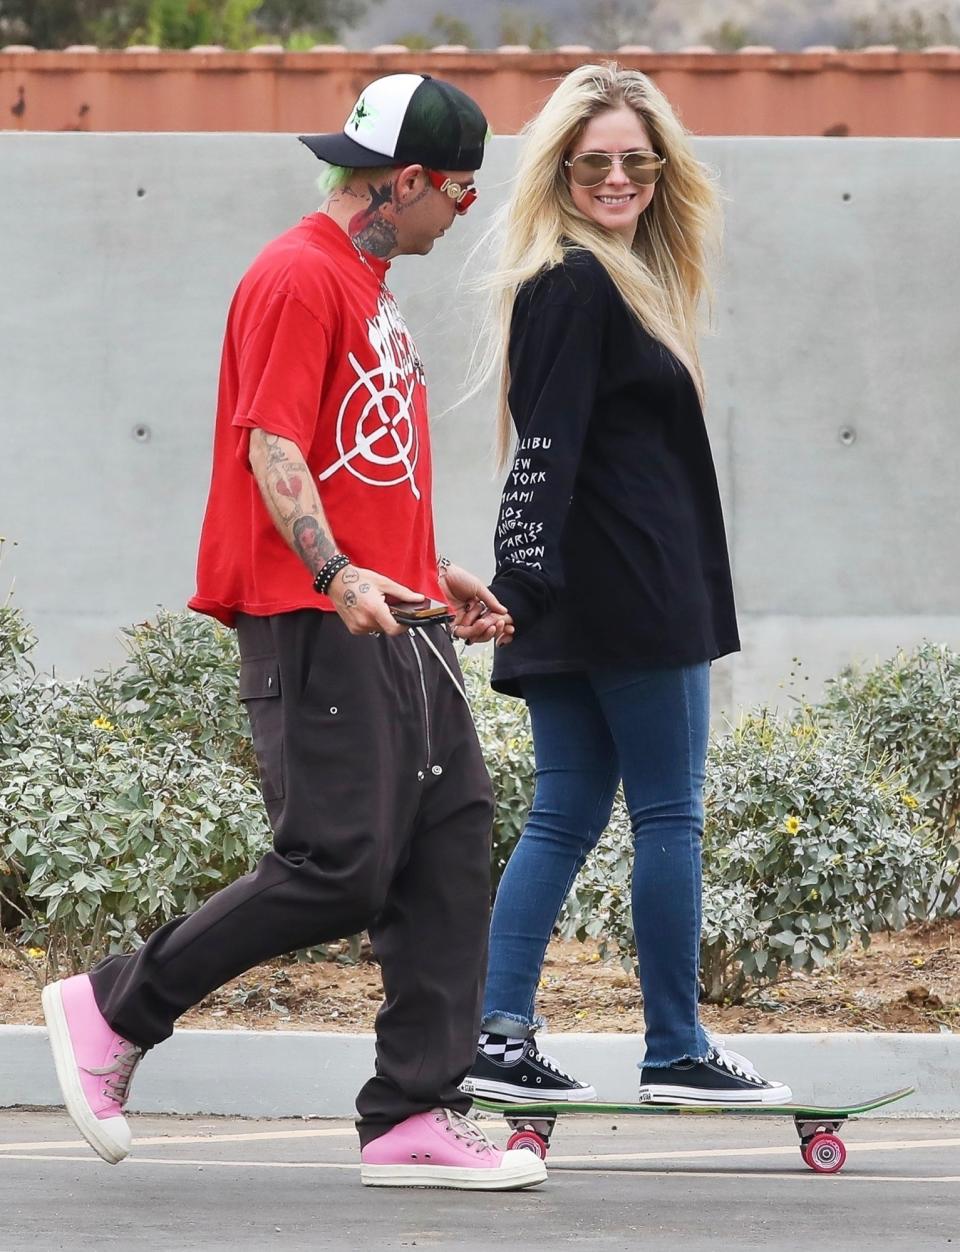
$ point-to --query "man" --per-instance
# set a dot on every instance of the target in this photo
(319, 510)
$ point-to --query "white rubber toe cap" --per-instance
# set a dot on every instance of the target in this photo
(115, 1133)
(524, 1168)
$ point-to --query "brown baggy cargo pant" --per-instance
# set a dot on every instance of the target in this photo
(381, 810)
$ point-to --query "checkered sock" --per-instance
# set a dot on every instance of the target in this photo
(502, 1048)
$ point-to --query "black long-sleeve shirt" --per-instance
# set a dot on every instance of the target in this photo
(610, 543)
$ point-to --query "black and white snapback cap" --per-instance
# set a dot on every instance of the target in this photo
(407, 119)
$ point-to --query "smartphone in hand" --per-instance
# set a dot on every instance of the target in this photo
(418, 612)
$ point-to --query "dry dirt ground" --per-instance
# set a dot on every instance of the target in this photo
(904, 982)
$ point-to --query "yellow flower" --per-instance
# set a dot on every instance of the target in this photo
(102, 723)
(909, 800)
(792, 824)
(35, 953)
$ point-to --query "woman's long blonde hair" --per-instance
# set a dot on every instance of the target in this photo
(663, 277)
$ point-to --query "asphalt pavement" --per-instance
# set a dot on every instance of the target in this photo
(678, 1183)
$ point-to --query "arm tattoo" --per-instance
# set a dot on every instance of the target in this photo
(290, 495)
(363, 588)
(287, 484)
(314, 546)
(275, 452)
(349, 598)
(285, 480)
(350, 575)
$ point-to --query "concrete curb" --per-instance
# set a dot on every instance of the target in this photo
(250, 1073)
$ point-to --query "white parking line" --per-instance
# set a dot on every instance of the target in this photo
(194, 1163)
(875, 1145)
(200, 1164)
(555, 1158)
(801, 1174)
(159, 1140)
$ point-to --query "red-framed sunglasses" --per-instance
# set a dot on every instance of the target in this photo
(462, 196)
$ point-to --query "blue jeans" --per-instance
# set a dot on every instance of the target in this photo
(649, 728)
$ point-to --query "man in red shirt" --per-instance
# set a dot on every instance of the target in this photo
(318, 523)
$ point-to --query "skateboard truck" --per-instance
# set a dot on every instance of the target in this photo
(821, 1147)
(531, 1133)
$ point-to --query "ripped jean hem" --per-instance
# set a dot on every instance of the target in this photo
(708, 1042)
(511, 1025)
(642, 1065)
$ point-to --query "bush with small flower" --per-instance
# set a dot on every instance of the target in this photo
(807, 845)
(114, 820)
(130, 796)
(907, 710)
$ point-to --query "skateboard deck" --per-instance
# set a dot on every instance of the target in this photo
(817, 1125)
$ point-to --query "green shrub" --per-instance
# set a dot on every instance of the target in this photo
(503, 727)
(806, 845)
(828, 843)
(131, 796)
(180, 676)
(127, 798)
(107, 835)
(907, 709)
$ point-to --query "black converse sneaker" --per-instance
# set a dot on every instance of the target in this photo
(515, 1070)
(721, 1078)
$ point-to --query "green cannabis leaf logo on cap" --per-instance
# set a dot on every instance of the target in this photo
(362, 115)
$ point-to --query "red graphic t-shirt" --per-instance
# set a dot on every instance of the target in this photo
(316, 351)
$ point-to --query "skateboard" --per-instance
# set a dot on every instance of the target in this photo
(821, 1147)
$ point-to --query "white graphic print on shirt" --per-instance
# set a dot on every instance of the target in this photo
(377, 424)
(518, 532)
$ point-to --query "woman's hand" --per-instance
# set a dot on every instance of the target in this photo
(478, 614)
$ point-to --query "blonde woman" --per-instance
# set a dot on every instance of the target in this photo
(612, 562)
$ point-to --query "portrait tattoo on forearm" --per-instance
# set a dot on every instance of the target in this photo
(313, 544)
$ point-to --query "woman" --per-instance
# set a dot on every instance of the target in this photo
(612, 561)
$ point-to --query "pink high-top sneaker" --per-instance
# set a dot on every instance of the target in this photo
(443, 1149)
(94, 1065)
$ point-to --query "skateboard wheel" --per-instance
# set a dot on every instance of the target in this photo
(825, 1154)
(528, 1141)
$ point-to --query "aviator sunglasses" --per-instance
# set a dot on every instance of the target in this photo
(463, 196)
(589, 169)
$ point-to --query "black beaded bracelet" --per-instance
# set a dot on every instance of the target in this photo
(328, 572)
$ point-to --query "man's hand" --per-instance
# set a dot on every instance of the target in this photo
(478, 614)
(358, 596)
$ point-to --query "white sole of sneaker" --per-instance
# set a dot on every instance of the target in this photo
(683, 1095)
(509, 1093)
(456, 1178)
(66, 1066)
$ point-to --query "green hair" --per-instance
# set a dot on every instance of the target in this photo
(334, 177)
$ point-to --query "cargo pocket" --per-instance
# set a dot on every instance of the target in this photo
(260, 693)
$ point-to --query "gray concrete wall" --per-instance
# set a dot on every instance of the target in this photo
(833, 381)
(291, 1073)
